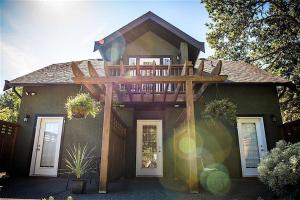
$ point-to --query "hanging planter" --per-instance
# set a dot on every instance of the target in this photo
(81, 106)
(221, 109)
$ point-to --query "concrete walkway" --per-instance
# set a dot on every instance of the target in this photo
(131, 189)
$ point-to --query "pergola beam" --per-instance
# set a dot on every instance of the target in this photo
(167, 84)
(80, 75)
(179, 85)
(122, 73)
(150, 79)
(215, 72)
(153, 84)
(93, 73)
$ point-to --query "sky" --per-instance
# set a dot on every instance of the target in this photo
(34, 34)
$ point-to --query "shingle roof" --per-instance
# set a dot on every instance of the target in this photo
(238, 72)
(241, 72)
(60, 73)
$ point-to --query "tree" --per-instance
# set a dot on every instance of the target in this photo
(261, 32)
(10, 105)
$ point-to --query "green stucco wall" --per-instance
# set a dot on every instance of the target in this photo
(222, 140)
(150, 44)
(220, 143)
(50, 100)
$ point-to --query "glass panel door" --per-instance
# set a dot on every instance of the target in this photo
(252, 143)
(45, 154)
(149, 148)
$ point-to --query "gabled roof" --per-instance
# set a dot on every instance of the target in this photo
(61, 73)
(154, 23)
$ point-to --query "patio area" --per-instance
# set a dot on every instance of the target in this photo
(129, 189)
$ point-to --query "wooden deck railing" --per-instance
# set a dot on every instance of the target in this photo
(8, 135)
(148, 70)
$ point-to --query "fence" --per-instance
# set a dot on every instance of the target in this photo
(8, 135)
(117, 147)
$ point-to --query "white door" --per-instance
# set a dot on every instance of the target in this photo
(45, 153)
(252, 140)
(149, 153)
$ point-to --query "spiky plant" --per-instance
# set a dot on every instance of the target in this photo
(80, 160)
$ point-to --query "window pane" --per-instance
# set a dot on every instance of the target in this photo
(149, 146)
(49, 144)
(250, 146)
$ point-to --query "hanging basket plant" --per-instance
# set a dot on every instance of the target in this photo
(81, 106)
(221, 109)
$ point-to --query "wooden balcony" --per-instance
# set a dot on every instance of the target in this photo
(146, 83)
(149, 71)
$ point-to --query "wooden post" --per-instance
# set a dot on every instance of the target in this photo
(103, 182)
(190, 119)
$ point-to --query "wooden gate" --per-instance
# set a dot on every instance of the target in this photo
(8, 135)
(117, 145)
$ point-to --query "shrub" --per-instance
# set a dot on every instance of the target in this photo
(81, 106)
(279, 169)
(221, 109)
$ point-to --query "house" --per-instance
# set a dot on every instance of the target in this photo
(151, 68)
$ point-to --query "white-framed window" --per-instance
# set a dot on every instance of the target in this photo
(132, 61)
(166, 61)
(149, 61)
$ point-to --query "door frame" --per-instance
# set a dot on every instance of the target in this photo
(138, 153)
(36, 129)
(261, 139)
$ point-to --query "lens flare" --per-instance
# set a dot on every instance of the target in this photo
(186, 145)
(215, 179)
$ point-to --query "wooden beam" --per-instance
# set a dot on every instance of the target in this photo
(79, 74)
(122, 69)
(200, 69)
(93, 73)
(215, 72)
(150, 79)
(138, 73)
(153, 84)
(103, 182)
(191, 132)
(179, 85)
(167, 84)
(122, 73)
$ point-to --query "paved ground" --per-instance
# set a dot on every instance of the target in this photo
(131, 189)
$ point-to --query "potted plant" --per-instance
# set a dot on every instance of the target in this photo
(79, 163)
(81, 106)
(221, 109)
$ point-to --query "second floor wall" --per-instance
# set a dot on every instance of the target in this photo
(147, 48)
